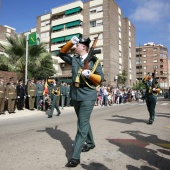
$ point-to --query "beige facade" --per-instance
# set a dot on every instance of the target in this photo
(150, 57)
(5, 31)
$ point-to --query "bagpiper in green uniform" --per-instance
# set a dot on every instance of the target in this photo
(11, 96)
(2, 94)
(152, 90)
(83, 94)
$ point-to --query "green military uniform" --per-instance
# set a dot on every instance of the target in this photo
(31, 91)
(2, 95)
(67, 95)
(62, 94)
(39, 92)
(151, 98)
(55, 96)
(83, 98)
(11, 96)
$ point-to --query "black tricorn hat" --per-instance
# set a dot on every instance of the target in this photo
(151, 74)
(86, 42)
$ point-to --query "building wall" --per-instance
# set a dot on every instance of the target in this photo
(153, 57)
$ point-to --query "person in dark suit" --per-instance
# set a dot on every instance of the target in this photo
(152, 90)
(83, 94)
(20, 95)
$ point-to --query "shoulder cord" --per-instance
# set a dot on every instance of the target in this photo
(93, 70)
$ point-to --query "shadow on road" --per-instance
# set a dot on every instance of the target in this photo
(94, 166)
(126, 120)
(163, 115)
(137, 149)
(61, 136)
(131, 167)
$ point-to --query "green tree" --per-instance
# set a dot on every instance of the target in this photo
(122, 78)
(38, 58)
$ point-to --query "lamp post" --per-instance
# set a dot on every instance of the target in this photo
(26, 60)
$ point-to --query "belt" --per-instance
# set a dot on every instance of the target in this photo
(79, 85)
(32, 90)
(11, 93)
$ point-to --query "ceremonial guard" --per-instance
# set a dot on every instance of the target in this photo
(31, 91)
(39, 91)
(62, 93)
(86, 75)
(20, 95)
(2, 95)
(67, 95)
(152, 90)
(55, 96)
(11, 96)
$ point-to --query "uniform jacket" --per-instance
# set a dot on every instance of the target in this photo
(81, 93)
(31, 89)
(148, 85)
(63, 90)
(2, 91)
(20, 91)
(67, 91)
(11, 92)
(39, 89)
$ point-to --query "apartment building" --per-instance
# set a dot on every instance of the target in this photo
(150, 57)
(5, 31)
(88, 19)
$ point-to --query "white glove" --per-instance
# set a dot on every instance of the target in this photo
(7, 98)
(28, 95)
(18, 97)
(74, 40)
(154, 89)
(86, 73)
(24, 96)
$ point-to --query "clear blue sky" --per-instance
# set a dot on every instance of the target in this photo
(151, 18)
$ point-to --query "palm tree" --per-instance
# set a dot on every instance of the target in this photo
(37, 57)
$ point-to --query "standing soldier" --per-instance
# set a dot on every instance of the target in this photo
(67, 95)
(20, 95)
(39, 91)
(62, 94)
(55, 95)
(2, 95)
(31, 91)
(152, 90)
(11, 96)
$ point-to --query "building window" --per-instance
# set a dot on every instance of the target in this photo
(155, 61)
(92, 23)
(155, 67)
(144, 50)
(144, 68)
(154, 49)
(144, 55)
(163, 55)
(144, 61)
(138, 67)
(155, 55)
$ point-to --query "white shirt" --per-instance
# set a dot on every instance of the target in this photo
(83, 57)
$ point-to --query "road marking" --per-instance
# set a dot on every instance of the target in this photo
(165, 145)
(164, 104)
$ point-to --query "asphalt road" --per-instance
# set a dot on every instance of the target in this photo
(123, 139)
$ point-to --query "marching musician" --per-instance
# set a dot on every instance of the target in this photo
(55, 93)
(152, 90)
(82, 92)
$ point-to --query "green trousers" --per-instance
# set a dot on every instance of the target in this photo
(151, 104)
(84, 134)
(54, 105)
